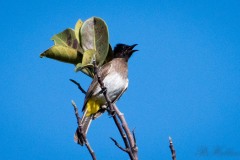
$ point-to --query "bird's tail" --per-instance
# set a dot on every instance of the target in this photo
(85, 123)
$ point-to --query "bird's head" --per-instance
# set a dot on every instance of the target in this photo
(124, 51)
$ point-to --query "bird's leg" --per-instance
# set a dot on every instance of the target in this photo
(104, 108)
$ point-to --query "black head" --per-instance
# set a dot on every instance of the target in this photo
(124, 51)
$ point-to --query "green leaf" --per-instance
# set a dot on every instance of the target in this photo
(78, 67)
(77, 30)
(64, 54)
(88, 69)
(67, 38)
(94, 36)
(88, 57)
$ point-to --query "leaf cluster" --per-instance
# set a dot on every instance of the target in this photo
(88, 41)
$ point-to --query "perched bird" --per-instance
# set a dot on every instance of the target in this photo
(114, 75)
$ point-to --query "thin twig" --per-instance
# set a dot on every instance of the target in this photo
(79, 86)
(82, 136)
(172, 149)
(118, 145)
(112, 112)
(76, 112)
(134, 137)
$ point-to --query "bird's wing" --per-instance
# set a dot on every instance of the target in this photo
(103, 72)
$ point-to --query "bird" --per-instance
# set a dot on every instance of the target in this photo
(114, 75)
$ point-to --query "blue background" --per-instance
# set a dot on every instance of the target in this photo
(184, 81)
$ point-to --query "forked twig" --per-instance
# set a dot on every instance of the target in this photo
(82, 135)
(130, 136)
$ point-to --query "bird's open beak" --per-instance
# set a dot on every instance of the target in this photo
(130, 49)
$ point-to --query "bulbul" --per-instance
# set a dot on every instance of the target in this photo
(114, 75)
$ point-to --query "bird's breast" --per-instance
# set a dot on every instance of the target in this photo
(115, 84)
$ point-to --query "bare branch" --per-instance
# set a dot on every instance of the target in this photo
(172, 149)
(82, 136)
(79, 86)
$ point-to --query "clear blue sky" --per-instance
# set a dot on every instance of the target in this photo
(184, 81)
